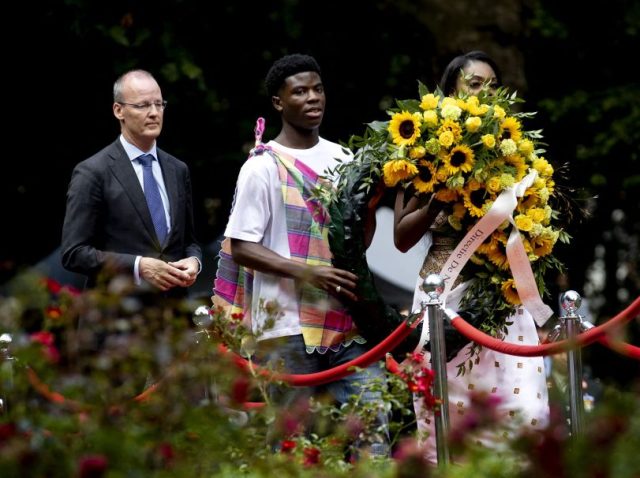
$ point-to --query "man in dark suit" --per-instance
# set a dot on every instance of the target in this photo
(129, 207)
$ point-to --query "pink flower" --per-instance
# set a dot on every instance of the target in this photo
(92, 466)
(46, 339)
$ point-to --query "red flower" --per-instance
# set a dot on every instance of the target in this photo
(419, 379)
(238, 316)
(53, 286)
(311, 456)
(240, 390)
(166, 453)
(92, 466)
(7, 430)
(53, 312)
(287, 446)
(46, 339)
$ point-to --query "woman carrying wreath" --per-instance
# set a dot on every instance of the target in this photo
(469, 184)
(475, 183)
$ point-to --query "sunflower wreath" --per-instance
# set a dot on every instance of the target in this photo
(464, 152)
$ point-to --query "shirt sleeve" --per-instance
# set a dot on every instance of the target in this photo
(251, 210)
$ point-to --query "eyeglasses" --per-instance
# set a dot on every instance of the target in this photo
(146, 106)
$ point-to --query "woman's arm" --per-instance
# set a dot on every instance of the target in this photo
(410, 221)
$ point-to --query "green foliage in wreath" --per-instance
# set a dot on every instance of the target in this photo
(462, 152)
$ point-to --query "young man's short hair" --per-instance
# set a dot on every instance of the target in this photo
(287, 66)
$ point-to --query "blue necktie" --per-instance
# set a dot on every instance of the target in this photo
(154, 201)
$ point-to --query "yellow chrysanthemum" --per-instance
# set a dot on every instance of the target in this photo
(506, 181)
(510, 129)
(508, 147)
(536, 214)
(543, 167)
(417, 152)
(432, 146)
(429, 101)
(451, 112)
(405, 128)
(473, 124)
(398, 170)
(525, 147)
(426, 179)
(448, 101)
(461, 158)
(488, 140)
(510, 293)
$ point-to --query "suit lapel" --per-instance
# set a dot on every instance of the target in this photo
(123, 170)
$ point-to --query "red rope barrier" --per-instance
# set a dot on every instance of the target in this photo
(335, 373)
(585, 338)
(621, 347)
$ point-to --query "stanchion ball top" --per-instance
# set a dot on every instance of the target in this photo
(570, 301)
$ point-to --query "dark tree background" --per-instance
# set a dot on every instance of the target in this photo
(210, 59)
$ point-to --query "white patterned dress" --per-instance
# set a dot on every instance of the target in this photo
(518, 383)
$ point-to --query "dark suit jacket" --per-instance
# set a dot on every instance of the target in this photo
(107, 222)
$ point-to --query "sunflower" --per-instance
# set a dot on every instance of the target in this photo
(450, 125)
(446, 195)
(542, 245)
(405, 128)
(518, 163)
(398, 170)
(474, 196)
(461, 158)
(510, 129)
(510, 293)
(495, 249)
(426, 179)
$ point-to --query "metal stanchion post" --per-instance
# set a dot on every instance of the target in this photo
(572, 325)
(202, 319)
(6, 372)
(433, 286)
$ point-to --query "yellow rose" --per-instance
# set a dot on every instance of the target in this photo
(429, 101)
(473, 123)
(523, 222)
(488, 140)
(417, 152)
(446, 139)
(430, 118)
